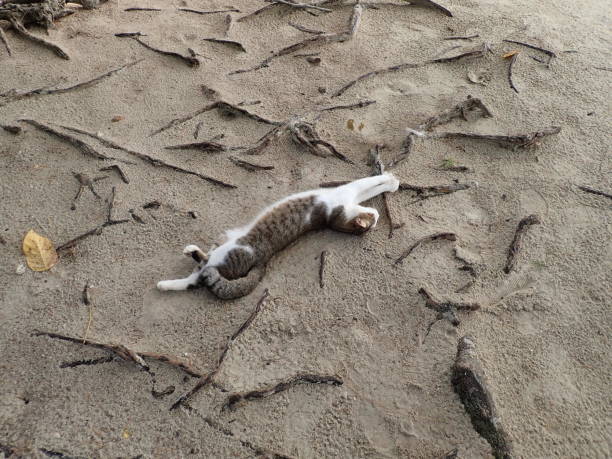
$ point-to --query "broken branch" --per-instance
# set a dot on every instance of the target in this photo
(517, 242)
(432, 237)
(192, 61)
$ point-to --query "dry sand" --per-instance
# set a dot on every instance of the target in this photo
(546, 351)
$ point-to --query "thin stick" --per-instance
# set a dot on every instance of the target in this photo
(513, 59)
(154, 161)
(191, 61)
(432, 237)
(545, 51)
(189, 10)
(251, 167)
(360, 104)
(233, 44)
(509, 141)
(378, 168)
(208, 379)
(300, 378)
(301, 28)
(470, 384)
(426, 192)
(460, 110)
(89, 322)
(517, 241)
(15, 94)
(21, 30)
(206, 146)
(125, 353)
(12, 129)
(83, 147)
(457, 37)
(305, 133)
(142, 9)
(588, 189)
(323, 260)
(4, 40)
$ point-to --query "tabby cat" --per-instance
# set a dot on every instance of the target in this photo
(234, 268)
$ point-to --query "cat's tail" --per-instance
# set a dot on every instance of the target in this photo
(229, 289)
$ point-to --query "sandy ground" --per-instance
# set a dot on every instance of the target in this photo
(546, 350)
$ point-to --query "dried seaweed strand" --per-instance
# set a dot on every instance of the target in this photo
(430, 238)
(124, 353)
(517, 241)
(21, 30)
(154, 161)
(300, 378)
(458, 37)
(470, 384)
(191, 60)
(83, 147)
(16, 94)
(208, 379)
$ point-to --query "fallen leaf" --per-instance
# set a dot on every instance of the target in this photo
(116, 118)
(39, 252)
(510, 54)
(126, 434)
(350, 124)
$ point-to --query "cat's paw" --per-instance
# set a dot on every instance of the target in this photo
(195, 252)
(393, 183)
(164, 285)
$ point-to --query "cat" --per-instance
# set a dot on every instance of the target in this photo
(234, 269)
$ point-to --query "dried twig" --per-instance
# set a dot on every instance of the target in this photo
(21, 30)
(85, 295)
(191, 60)
(208, 379)
(305, 133)
(551, 55)
(145, 157)
(189, 10)
(83, 147)
(378, 168)
(12, 129)
(251, 167)
(301, 28)
(514, 141)
(461, 110)
(206, 146)
(142, 9)
(470, 383)
(588, 189)
(360, 104)
(85, 181)
(239, 398)
(231, 43)
(323, 262)
(4, 41)
(517, 241)
(426, 192)
(17, 94)
(513, 59)
(124, 353)
(119, 171)
(432, 237)
(457, 37)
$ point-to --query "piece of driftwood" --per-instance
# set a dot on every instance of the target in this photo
(305, 134)
(233, 400)
(517, 241)
(426, 192)
(470, 384)
(124, 353)
(204, 12)
(588, 189)
(446, 309)
(430, 238)
(514, 141)
(83, 147)
(21, 30)
(149, 159)
(208, 379)
(190, 60)
(360, 104)
(142, 9)
(251, 167)
(40, 12)
(17, 94)
(459, 37)
(477, 52)
(205, 146)
(513, 59)
(231, 43)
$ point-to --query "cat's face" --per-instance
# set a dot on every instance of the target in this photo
(360, 224)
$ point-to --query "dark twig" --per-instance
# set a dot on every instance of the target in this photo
(588, 189)
(16, 94)
(514, 141)
(85, 295)
(446, 309)
(208, 379)
(251, 167)
(142, 9)
(323, 263)
(461, 110)
(239, 398)
(432, 237)
(83, 147)
(189, 10)
(78, 363)
(85, 181)
(517, 242)
(12, 129)
(470, 383)
(305, 134)
(231, 43)
(198, 127)
(457, 37)
(378, 168)
(360, 104)
(426, 192)
(205, 146)
(301, 28)
(118, 170)
(124, 353)
(21, 30)
(154, 161)
(513, 59)
(191, 60)
(549, 53)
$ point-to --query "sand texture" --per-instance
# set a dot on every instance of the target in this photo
(543, 330)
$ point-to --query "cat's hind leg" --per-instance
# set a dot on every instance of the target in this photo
(190, 281)
(229, 289)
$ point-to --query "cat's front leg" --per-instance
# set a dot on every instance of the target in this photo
(196, 253)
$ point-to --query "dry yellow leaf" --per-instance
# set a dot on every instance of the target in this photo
(350, 124)
(510, 54)
(39, 252)
(126, 434)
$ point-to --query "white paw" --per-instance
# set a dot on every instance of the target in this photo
(188, 250)
(393, 183)
(163, 285)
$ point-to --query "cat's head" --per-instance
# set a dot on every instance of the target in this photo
(361, 223)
